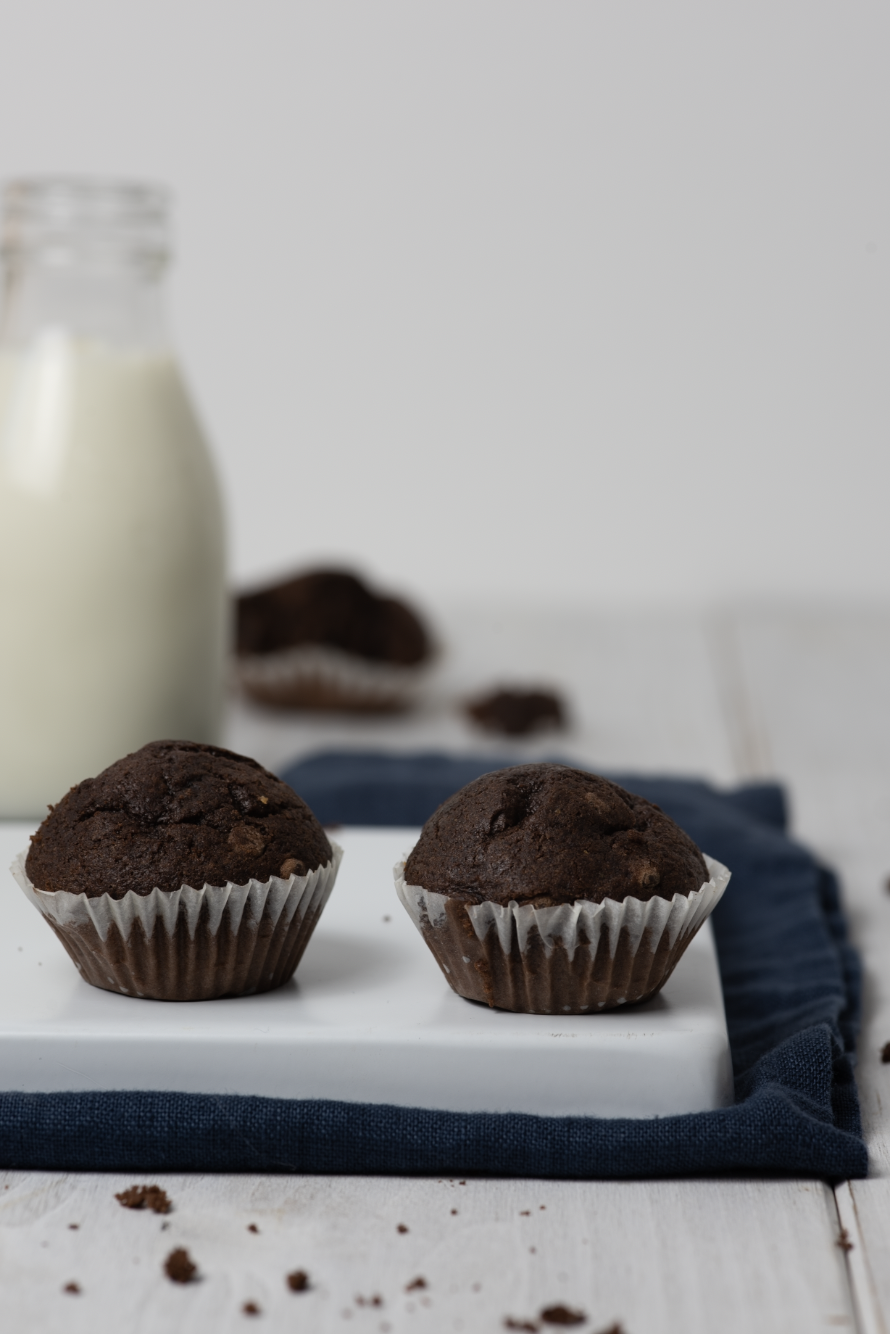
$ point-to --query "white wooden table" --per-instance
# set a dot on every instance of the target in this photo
(733, 695)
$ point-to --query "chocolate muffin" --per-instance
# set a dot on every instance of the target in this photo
(324, 640)
(182, 872)
(543, 888)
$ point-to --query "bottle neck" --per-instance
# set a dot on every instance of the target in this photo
(107, 303)
(84, 258)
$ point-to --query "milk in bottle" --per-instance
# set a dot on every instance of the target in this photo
(112, 554)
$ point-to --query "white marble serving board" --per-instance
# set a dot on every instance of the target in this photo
(368, 1018)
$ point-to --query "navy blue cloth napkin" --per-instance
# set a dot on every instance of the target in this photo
(791, 984)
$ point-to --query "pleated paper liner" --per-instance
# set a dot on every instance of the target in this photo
(575, 958)
(189, 944)
(315, 676)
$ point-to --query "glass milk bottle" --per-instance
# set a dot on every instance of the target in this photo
(113, 612)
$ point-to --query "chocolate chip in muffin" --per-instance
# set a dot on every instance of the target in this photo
(244, 839)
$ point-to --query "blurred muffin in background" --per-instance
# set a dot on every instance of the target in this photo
(325, 640)
(517, 712)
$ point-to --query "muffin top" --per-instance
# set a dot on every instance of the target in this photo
(174, 813)
(334, 608)
(547, 834)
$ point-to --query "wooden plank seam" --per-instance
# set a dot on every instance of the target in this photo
(865, 1302)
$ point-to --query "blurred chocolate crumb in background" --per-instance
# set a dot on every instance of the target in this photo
(517, 712)
(325, 640)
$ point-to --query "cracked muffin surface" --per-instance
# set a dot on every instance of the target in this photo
(549, 834)
(174, 813)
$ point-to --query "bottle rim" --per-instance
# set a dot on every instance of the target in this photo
(63, 216)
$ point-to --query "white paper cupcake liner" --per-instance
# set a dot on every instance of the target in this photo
(188, 944)
(318, 676)
(574, 957)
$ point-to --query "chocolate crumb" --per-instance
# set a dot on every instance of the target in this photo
(885, 1053)
(401, 1228)
(510, 1323)
(375, 1300)
(844, 1240)
(516, 712)
(298, 1281)
(179, 1266)
(145, 1197)
(562, 1315)
(72, 1287)
(461, 1183)
(252, 1227)
(525, 1213)
(532, 1250)
(454, 1211)
(542, 1206)
(72, 1227)
(251, 1308)
(415, 1284)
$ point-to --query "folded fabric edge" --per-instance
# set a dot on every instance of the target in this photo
(168, 1132)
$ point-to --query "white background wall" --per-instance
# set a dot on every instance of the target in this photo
(511, 298)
